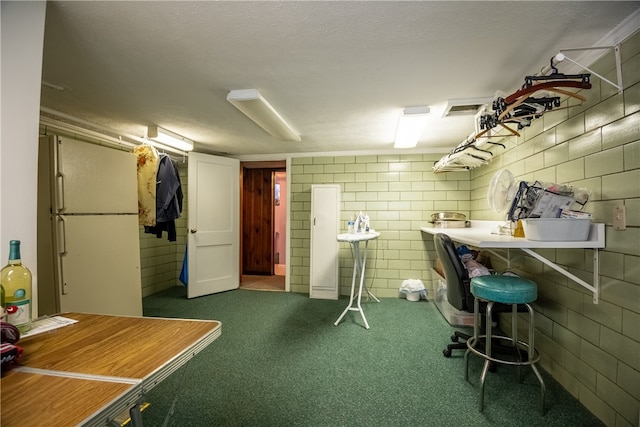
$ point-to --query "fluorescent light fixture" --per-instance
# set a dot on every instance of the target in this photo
(169, 138)
(410, 126)
(254, 106)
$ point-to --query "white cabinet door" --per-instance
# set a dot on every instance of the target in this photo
(325, 227)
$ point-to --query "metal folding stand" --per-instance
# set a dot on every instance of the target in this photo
(359, 265)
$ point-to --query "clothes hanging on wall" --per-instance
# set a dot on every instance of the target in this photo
(168, 198)
(147, 165)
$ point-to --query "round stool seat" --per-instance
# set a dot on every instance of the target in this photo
(504, 289)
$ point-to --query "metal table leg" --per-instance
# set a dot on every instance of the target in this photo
(359, 265)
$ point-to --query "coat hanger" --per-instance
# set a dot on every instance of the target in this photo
(467, 159)
(569, 94)
(549, 103)
(150, 147)
(483, 133)
(471, 149)
(497, 143)
(550, 85)
(556, 75)
(546, 103)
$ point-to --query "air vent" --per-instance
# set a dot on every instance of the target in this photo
(461, 107)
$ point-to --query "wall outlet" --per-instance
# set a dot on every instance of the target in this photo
(620, 217)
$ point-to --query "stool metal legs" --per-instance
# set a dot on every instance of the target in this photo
(532, 354)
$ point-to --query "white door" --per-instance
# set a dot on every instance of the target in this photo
(214, 228)
(325, 227)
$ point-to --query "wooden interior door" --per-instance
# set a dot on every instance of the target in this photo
(257, 221)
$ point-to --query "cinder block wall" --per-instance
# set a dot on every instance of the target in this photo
(398, 192)
(160, 259)
(593, 350)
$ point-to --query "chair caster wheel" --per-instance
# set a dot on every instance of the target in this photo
(446, 352)
(454, 338)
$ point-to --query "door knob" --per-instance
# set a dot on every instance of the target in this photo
(193, 230)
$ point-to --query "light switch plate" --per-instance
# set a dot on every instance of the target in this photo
(620, 217)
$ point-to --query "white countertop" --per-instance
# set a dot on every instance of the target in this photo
(484, 234)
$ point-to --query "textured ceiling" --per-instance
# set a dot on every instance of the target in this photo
(340, 72)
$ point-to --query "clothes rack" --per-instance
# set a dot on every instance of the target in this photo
(542, 92)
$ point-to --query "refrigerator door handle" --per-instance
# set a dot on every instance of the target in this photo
(62, 251)
(62, 243)
(60, 192)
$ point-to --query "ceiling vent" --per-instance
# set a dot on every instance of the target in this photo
(461, 107)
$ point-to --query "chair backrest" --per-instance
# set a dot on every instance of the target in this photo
(456, 275)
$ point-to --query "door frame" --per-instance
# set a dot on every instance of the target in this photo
(275, 164)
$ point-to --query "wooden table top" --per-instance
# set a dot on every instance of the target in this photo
(91, 370)
(117, 346)
(35, 400)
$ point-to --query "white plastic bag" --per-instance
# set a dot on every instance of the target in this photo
(413, 289)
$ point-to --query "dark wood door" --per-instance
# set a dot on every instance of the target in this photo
(257, 221)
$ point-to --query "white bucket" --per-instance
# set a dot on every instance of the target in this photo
(413, 296)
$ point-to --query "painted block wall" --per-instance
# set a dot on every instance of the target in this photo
(160, 259)
(398, 192)
(593, 350)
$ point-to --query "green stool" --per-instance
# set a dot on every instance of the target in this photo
(506, 290)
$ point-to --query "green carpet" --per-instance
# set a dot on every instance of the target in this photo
(280, 361)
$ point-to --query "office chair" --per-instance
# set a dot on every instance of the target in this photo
(458, 288)
(459, 294)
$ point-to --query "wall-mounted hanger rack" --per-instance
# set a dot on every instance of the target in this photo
(540, 93)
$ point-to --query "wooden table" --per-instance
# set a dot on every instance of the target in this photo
(89, 372)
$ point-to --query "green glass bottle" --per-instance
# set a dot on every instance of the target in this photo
(1, 301)
(15, 278)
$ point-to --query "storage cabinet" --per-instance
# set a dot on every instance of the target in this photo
(325, 227)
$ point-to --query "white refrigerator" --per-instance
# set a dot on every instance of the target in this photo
(88, 233)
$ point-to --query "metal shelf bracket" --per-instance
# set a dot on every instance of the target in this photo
(561, 56)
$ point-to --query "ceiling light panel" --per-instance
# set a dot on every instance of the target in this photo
(257, 108)
(165, 137)
(410, 126)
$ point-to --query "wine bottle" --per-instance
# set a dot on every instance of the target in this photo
(1, 301)
(16, 280)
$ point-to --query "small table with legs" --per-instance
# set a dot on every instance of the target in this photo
(359, 264)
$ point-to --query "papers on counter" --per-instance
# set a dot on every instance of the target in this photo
(45, 324)
(550, 205)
